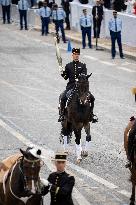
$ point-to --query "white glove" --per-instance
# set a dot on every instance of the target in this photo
(61, 69)
(45, 182)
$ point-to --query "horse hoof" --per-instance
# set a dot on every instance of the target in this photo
(84, 153)
(132, 203)
(78, 161)
(66, 152)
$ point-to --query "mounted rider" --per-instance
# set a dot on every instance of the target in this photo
(71, 72)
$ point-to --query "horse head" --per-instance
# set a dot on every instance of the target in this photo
(82, 85)
(30, 168)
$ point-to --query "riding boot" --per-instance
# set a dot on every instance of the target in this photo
(93, 118)
(61, 114)
(61, 111)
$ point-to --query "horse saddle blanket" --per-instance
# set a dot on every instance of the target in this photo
(6, 165)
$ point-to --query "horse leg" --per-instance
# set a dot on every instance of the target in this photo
(132, 199)
(65, 133)
(78, 145)
(69, 132)
(88, 139)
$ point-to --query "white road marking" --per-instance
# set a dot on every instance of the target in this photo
(27, 119)
(108, 63)
(93, 176)
(26, 95)
(126, 69)
(125, 63)
(29, 88)
(48, 152)
(21, 92)
(128, 63)
(125, 193)
(91, 57)
(77, 195)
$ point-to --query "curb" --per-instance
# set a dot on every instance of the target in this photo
(101, 46)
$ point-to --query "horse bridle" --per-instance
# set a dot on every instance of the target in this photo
(28, 178)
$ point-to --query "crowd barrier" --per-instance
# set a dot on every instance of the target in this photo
(129, 21)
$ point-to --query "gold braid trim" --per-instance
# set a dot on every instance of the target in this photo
(57, 190)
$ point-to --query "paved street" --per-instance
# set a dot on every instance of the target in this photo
(30, 84)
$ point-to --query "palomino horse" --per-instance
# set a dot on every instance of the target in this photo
(21, 183)
(77, 116)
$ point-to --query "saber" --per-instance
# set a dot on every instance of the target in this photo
(58, 55)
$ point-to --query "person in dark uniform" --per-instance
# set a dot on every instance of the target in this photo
(40, 4)
(6, 7)
(72, 71)
(50, 3)
(60, 183)
(107, 4)
(97, 13)
(119, 5)
(66, 6)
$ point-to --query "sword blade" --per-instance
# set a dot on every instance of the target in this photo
(58, 55)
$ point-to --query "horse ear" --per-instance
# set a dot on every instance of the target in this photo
(24, 153)
(88, 76)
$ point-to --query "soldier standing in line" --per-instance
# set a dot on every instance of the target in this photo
(6, 6)
(23, 8)
(115, 28)
(86, 27)
(45, 13)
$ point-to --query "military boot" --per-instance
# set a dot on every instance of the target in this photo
(61, 114)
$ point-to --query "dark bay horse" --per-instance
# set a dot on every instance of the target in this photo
(21, 184)
(132, 136)
(77, 116)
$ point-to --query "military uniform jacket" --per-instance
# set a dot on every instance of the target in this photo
(72, 71)
(99, 12)
(61, 190)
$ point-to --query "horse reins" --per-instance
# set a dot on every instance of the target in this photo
(21, 167)
(20, 162)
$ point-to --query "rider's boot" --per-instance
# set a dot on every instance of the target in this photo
(93, 118)
(61, 114)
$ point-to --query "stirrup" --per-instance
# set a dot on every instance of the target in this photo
(61, 118)
(94, 118)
